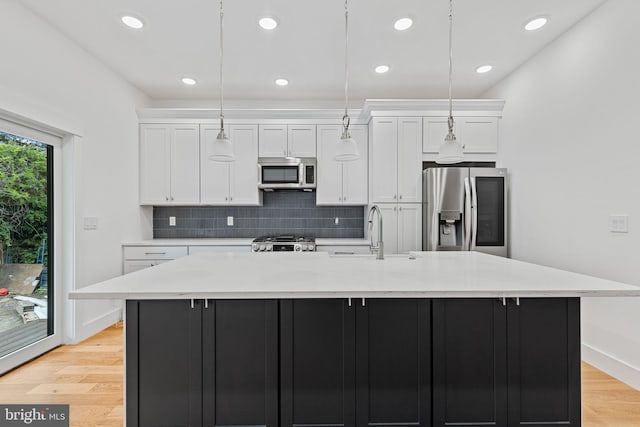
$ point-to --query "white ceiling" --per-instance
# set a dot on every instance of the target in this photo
(181, 39)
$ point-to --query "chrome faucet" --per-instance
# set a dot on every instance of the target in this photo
(379, 247)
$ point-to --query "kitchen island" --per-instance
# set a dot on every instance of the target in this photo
(309, 340)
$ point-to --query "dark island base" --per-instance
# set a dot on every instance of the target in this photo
(379, 362)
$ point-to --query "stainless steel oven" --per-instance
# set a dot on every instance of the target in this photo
(287, 173)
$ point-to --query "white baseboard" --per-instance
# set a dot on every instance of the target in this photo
(96, 325)
(613, 366)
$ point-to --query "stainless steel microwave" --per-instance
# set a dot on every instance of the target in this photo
(286, 173)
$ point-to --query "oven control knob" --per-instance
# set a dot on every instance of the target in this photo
(297, 248)
(263, 247)
(254, 247)
(269, 247)
(312, 248)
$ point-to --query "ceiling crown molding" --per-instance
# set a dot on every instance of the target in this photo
(430, 107)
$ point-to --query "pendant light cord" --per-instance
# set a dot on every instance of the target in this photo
(345, 118)
(450, 121)
(221, 68)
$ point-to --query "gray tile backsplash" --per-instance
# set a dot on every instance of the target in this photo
(282, 212)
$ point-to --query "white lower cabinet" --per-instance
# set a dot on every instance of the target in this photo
(218, 249)
(401, 227)
(140, 257)
(234, 183)
(341, 183)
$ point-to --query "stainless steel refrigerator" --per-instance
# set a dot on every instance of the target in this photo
(465, 209)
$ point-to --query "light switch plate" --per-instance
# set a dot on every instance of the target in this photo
(172, 221)
(230, 221)
(90, 223)
(619, 223)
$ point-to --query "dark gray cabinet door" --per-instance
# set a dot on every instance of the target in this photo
(393, 363)
(544, 362)
(240, 363)
(164, 361)
(469, 362)
(317, 361)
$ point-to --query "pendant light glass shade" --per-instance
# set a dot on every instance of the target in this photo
(222, 149)
(450, 151)
(347, 147)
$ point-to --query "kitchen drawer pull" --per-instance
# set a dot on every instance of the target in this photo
(155, 253)
(364, 302)
(349, 302)
(344, 253)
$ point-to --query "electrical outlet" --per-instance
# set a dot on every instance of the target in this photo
(619, 223)
(172, 221)
(337, 221)
(230, 221)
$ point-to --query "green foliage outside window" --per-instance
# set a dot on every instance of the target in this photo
(23, 198)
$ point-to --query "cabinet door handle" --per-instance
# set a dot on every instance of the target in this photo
(172, 198)
(517, 300)
(193, 304)
(395, 209)
(395, 197)
(166, 198)
(226, 198)
(206, 303)
(504, 301)
(401, 197)
(400, 208)
(344, 199)
(349, 302)
(344, 253)
(364, 302)
(155, 253)
(230, 197)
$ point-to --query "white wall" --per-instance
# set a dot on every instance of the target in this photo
(50, 79)
(569, 140)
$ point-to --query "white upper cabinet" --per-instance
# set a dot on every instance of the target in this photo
(234, 183)
(287, 141)
(396, 159)
(478, 135)
(169, 164)
(341, 183)
(402, 227)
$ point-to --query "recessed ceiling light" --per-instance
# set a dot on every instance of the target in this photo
(535, 24)
(188, 81)
(282, 82)
(132, 22)
(484, 69)
(381, 69)
(268, 23)
(403, 24)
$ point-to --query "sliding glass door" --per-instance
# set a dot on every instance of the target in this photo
(26, 243)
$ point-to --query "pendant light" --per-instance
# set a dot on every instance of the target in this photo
(451, 150)
(222, 150)
(347, 148)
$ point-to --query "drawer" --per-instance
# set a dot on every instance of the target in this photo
(131, 266)
(218, 249)
(344, 249)
(154, 252)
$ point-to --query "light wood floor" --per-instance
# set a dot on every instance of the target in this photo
(88, 376)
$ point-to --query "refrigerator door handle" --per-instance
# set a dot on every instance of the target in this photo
(467, 219)
(474, 214)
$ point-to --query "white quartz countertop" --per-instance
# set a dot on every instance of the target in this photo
(318, 275)
(237, 242)
(191, 242)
